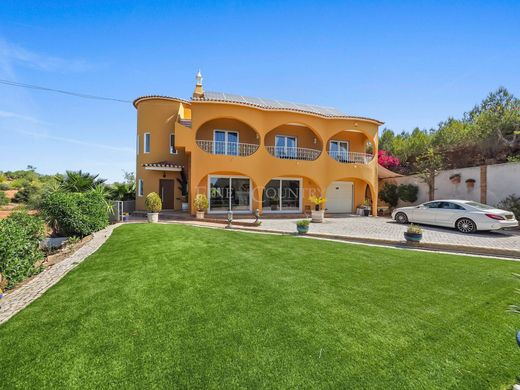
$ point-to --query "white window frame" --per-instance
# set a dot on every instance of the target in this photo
(137, 144)
(149, 142)
(285, 144)
(140, 188)
(229, 206)
(300, 200)
(173, 150)
(339, 142)
(226, 142)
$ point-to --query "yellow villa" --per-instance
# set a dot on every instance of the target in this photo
(248, 153)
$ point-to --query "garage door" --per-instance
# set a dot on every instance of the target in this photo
(339, 197)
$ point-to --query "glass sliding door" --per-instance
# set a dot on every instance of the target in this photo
(219, 194)
(240, 191)
(229, 193)
(225, 142)
(285, 147)
(282, 195)
(339, 150)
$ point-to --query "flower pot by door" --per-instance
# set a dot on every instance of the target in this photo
(317, 215)
(153, 217)
(200, 214)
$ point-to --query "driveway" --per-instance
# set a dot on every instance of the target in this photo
(381, 228)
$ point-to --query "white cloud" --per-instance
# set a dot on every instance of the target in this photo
(15, 54)
(8, 114)
(76, 141)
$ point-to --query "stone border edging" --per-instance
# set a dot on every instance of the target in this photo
(20, 298)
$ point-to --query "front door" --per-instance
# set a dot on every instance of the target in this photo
(166, 191)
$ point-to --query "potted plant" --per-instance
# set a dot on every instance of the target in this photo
(366, 207)
(183, 187)
(318, 213)
(201, 204)
(153, 205)
(413, 233)
(302, 226)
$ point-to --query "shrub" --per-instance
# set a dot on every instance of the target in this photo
(200, 202)
(408, 192)
(3, 199)
(386, 160)
(4, 186)
(153, 202)
(303, 223)
(414, 229)
(27, 191)
(75, 213)
(511, 203)
(20, 235)
(389, 194)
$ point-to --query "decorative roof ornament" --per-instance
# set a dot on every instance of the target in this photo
(199, 91)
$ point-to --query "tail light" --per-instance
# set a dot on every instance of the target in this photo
(495, 216)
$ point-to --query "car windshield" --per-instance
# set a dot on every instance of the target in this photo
(479, 205)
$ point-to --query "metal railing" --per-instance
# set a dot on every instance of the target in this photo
(227, 148)
(351, 157)
(290, 153)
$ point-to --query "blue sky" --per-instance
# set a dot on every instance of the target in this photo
(409, 63)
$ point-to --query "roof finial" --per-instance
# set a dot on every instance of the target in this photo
(199, 92)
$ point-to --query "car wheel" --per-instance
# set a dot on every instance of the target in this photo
(401, 218)
(466, 225)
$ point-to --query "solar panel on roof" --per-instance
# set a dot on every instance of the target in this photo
(271, 103)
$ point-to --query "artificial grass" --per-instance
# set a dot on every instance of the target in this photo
(170, 306)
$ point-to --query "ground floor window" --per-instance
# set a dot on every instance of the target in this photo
(140, 189)
(229, 193)
(282, 195)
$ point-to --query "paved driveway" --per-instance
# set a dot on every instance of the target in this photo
(386, 229)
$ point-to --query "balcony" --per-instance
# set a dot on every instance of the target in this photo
(350, 157)
(227, 148)
(293, 153)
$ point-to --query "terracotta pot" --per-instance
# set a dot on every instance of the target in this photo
(200, 214)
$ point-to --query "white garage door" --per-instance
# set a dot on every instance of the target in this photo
(339, 197)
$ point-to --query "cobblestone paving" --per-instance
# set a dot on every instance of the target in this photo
(15, 301)
(386, 229)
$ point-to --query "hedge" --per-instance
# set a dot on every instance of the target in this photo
(20, 235)
(74, 213)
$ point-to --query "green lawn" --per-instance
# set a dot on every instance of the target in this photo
(172, 306)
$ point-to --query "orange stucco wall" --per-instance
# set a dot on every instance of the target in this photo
(257, 126)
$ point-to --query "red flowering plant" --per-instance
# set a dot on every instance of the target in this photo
(386, 160)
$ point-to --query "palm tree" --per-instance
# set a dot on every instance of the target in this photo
(122, 191)
(78, 181)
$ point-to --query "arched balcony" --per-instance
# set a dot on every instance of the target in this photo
(293, 141)
(349, 147)
(225, 136)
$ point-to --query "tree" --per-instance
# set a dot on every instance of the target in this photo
(428, 166)
(408, 192)
(78, 181)
(388, 194)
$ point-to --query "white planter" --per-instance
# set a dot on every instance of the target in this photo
(200, 214)
(185, 206)
(317, 216)
(153, 217)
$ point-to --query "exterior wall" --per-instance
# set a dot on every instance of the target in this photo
(502, 180)
(446, 189)
(246, 134)
(160, 117)
(305, 136)
(157, 117)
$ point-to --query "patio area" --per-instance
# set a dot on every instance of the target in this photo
(386, 230)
